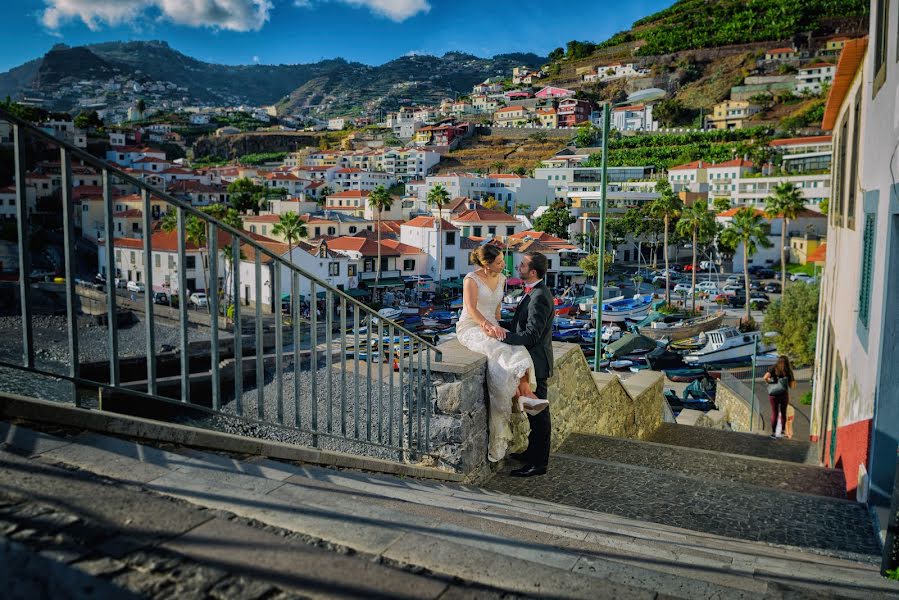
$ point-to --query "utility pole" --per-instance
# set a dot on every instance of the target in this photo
(601, 251)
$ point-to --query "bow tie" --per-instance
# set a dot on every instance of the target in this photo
(528, 289)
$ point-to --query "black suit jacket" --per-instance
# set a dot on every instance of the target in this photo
(532, 327)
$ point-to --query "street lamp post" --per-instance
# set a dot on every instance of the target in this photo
(600, 260)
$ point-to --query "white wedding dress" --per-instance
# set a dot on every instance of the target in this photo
(506, 365)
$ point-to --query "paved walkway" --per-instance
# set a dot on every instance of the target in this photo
(750, 444)
(775, 474)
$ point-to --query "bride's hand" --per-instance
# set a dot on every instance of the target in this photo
(498, 332)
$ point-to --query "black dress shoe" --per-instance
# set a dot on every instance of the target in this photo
(529, 471)
(519, 456)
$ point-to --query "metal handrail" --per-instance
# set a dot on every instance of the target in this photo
(412, 391)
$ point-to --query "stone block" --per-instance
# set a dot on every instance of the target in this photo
(446, 429)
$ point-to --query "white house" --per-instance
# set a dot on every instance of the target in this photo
(421, 232)
(357, 179)
(336, 124)
(509, 189)
(811, 79)
(127, 155)
(637, 117)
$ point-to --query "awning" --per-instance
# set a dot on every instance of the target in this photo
(357, 293)
(452, 285)
(388, 283)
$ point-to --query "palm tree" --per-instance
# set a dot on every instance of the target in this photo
(667, 206)
(438, 196)
(194, 233)
(746, 228)
(291, 228)
(698, 222)
(786, 202)
(497, 166)
(379, 200)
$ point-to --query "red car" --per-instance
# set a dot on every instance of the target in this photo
(688, 268)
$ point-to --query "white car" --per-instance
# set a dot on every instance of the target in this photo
(733, 279)
(685, 288)
(198, 299)
(709, 287)
(803, 278)
(136, 286)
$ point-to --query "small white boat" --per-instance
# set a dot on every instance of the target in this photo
(629, 308)
(388, 313)
(727, 345)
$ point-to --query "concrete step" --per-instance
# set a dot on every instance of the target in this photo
(706, 464)
(378, 514)
(732, 442)
(737, 510)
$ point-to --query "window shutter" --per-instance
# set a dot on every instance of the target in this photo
(864, 292)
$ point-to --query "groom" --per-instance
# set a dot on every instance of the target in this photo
(531, 327)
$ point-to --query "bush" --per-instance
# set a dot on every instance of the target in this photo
(794, 317)
(806, 399)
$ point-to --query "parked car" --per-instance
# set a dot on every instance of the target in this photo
(765, 273)
(160, 298)
(772, 288)
(709, 287)
(689, 267)
(706, 265)
(198, 299)
(136, 286)
(733, 279)
(685, 288)
(803, 278)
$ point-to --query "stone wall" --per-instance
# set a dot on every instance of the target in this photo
(581, 402)
(737, 410)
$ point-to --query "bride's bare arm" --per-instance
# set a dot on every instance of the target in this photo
(470, 301)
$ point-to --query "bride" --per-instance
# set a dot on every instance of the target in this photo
(510, 371)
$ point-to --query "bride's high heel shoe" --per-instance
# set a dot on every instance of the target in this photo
(532, 406)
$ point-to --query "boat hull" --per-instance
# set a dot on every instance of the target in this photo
(674, 334)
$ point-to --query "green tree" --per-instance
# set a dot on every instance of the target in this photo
(292, 228)
(794, 317)
(88, 120)
(556, 55)
(786, 202)
(379, 200)
(246, 195)
(697, 222)
(590, 264)
(666, 207)
(492, 203)
(585, 136)
(522, 209)
(141, 107)
(721, 204)
(555, 220)
(670, 112)
(824, 205)
(576, 50)
(746, 228)
(497, 166)
(195, 230)
(437, 197)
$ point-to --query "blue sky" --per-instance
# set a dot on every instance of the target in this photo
(299, 31)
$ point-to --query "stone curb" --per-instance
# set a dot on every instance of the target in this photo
(12, 406)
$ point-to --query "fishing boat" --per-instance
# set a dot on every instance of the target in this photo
(688, 344)
(567, 335)
(610, 333)
(621, 365)
(727, 345)
(587, 302)
(675, 330)
(563, 323)
(685, 374)
(393, 314)
(634, 308)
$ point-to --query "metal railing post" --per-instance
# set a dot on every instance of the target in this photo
(279, 344)
(213, 300)
(68, 221)
(148, 294)
(182, 304)
(24, 233)
(260, 357)
(111, 276)
(238, 326)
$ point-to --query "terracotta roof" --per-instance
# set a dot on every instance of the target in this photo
(819, 254)
(351, 194)
(802, 214)
(547, 239)
(511, 108)
(131, 213)
(631, 107)
(348, 170)
(850, 61)
(839, 38)
(817, 65)
(428, 223)
(484, 215)
(287, 176)
(401, 247)
(781, 50)
(167, 241)
(739, 162)
(696, 164)
(262, 219)
(249, 252)
(364, 246)
(802, 141)
(504, 176)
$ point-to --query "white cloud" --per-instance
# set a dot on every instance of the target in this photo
(395, 10)
(232, 15)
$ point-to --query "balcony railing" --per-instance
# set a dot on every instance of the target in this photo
(292, 376)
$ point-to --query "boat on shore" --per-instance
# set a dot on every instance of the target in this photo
(680, 330)
(727, 345)
(617, 311)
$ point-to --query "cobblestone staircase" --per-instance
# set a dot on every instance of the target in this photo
(458, 541)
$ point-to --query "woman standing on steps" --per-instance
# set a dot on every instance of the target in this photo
(779, 379)
(510, 369)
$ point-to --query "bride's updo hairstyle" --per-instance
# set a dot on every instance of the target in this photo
(484, 255)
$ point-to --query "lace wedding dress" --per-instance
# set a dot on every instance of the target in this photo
(506, 365)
